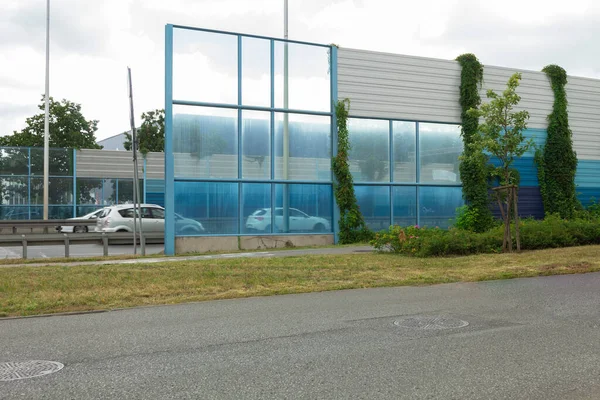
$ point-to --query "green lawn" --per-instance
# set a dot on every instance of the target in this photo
(51, 289)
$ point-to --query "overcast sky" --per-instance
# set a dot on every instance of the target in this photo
(93, 41)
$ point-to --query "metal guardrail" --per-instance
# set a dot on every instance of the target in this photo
(41, 239)
(15, 225)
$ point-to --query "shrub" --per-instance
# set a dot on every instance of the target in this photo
(424, 242)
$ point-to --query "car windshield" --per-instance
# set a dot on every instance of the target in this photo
(104, 213)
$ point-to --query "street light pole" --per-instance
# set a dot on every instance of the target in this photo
(286, 122)
(47, 113)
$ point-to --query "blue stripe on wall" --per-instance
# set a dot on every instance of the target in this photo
(530, 203)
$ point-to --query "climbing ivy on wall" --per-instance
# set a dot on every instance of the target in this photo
(557, 162)
(473, 163)
(352, 224)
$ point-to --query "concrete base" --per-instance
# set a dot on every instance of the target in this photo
(203, 244)
(274, 242)
(206, 244)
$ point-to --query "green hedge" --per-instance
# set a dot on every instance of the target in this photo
(551, 232)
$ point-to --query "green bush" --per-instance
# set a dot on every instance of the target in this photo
(425, 242)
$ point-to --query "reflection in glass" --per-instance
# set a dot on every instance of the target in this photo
(256, 208)
(14, 161)
(405, 205)
(440, 145)
(405, 160)
(308, 77)
(309, 146)
(256, 72)
(256, 148)
(205, 142)
(369, 153)
(374, 204)
(204, 67)
(309, 208)
(14, 190)
(438, 205)
(214, 205)
(61, 162)
(60, 191)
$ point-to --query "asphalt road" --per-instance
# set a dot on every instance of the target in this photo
(525, 339)
(75, 250)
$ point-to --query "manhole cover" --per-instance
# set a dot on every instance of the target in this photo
(12, 371)
(431, 322)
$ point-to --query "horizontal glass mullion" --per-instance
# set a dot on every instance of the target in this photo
(248, 107)
(234, 180)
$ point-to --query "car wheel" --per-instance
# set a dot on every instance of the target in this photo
(319, 228)
(80, 229)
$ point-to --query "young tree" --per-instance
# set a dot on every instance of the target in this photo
(151, 134)
(501, 135)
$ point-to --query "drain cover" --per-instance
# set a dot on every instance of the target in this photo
(431, 322)
(12, 371)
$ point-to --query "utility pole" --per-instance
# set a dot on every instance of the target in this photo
(286, 122)
(47, 113)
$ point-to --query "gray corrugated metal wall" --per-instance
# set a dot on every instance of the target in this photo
(583, 95)
(117, 164)
(395, 86)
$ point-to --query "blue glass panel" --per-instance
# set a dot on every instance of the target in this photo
(374, 203)
(256, 144)
(309, 146)
(214, 205)
(440, 145)
(61, 162)
(405, 160)
(308, 77)
(256, 208)
(54, 212)
(205, 67)
(369, 152)
(205, 142)
(438, 205)
(405, 205)
(60, 191)
(16, 212)
(309, 208)
(256, 72)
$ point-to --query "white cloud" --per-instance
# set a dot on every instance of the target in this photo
(94, 42)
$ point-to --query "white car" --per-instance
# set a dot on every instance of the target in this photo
(92, 217)
(120, 219)
(260, 220)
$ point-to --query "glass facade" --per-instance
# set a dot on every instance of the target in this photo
(253, 138)
(22, 186)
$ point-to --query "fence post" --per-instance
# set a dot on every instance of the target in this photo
(66, 245)
(24, 247)
(105, 244)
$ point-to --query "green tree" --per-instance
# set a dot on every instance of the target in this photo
(68, 129)
(151, 134)
(501, 133)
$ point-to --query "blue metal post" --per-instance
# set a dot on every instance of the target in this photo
(334, 99)
(239, 135)
(392, 167)
(169, 161)
(418, 173)
(272, 149)
(145, 186)
(74, 183)
(117, 191)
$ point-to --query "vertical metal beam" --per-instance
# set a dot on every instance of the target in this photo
(334, 149)
(392, 165)
(239, 136)
(169, 160)
(74, 183)
(145, 178)
(418, 173)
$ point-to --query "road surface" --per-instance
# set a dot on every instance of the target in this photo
(536, 338)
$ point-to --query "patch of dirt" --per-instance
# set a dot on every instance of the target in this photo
(579, 266)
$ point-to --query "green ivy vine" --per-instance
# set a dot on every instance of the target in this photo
(473, 163)
(352, 224)
(557, 162)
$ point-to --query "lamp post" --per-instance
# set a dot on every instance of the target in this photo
(286, 132)
(47, 113)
